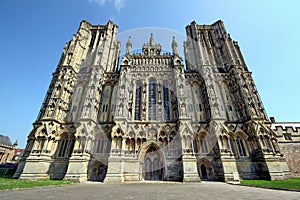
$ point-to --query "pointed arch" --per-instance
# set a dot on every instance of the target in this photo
(241, 144)
(153, 159)
(146, 145)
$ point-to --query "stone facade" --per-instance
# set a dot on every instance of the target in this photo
(149, 117)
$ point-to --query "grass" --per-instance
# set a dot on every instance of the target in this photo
(15, 184)
(290, 184)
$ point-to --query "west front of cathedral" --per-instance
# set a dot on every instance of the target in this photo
(152, 115)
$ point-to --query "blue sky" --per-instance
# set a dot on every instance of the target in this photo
(34, 32)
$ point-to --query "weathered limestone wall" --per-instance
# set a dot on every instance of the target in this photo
(288, 135)
(292, 153)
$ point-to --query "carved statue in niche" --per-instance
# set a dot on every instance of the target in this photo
(211, 91)
(50, 111)
(181, 91)
(144, 106)
(130, 94)
(120, 110)
(215, 126)
(57, 91)
(87, 110)
(122, 77)
(207, 71)
(159, 92)
(59, 114)
(183, 110)
(129, 113)
(130, 91)
(122, 91)
(216, 109)
(144, 115)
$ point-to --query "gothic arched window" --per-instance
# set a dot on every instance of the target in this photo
(200, 144)
(66, 146)
(63, 146)
(152, 100)
(240, 146)
(138, 101)
(166, 102)
(232, 145)
(203, 144)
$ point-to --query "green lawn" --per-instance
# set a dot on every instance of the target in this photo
(290, 184)
(9, 183)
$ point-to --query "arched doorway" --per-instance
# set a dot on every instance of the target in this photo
(203, 172)
(98, 172)
(153, 168)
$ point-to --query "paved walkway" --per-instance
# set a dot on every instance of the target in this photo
(149, 190)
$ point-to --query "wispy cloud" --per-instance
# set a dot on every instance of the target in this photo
(118, 4)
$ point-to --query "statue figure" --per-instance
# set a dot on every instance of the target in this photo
(183, 110)
(120, 111)
(174, 46)
(151, 39)
(50, 112)
(122, 92)
(128, 46)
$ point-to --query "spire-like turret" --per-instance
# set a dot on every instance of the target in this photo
(128, 46)
(174, 46)
(151, 42)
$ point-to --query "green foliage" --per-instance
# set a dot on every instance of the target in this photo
(290, 184)
(9, 183)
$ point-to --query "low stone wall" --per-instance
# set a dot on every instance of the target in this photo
(291, 152)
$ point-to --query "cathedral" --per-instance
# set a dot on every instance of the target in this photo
(152, 115)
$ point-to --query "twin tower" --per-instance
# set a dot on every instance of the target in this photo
(152, 115)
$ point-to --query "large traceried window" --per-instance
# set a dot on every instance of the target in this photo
(166, 102)
(138, 101)
(152, 100)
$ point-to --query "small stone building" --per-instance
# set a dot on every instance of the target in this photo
(7, 149)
